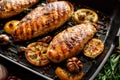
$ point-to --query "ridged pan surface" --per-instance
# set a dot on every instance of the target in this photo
(89, 65)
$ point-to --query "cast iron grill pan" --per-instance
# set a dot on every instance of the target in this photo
(105, 23)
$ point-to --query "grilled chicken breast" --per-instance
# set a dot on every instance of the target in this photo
(9, 8)
(48, 1)
(43, 20)
(70, 42)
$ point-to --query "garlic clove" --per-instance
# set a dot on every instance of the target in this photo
(3, 72)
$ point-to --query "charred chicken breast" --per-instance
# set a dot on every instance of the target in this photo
(43, 20)
(9, 8)
(70, 42)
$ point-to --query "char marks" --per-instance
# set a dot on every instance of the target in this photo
(42, 20)
(9, 8)
(70, 42)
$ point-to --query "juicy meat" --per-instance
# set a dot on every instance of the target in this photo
(9, 8)
(42, 20)
(70, 42)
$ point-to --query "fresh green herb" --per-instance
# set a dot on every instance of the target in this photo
(86, 47)
(46, 13)
(111, 70)
(72, 23)
(114, 59)
(91, 52)
(33, 56)
(26, 10)
(40, 5)
(68, 73)
(39, 61)
(87, 12)
(4, 2)
(28, 18)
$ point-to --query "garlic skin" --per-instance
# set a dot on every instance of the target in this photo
(3, 72)
(74, 65)
(4, 39)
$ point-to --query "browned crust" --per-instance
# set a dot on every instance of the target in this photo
(10, 8)
(70, 42)
(65, 75)
(41, 21)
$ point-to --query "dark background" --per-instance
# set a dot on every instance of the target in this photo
(19, 72)
(106, 6)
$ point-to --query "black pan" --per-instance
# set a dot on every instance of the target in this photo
(109, 22)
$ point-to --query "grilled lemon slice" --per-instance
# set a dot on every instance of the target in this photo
(35, 53)
(11, 26)
(85, 15)
(64, 74)
(93, 48)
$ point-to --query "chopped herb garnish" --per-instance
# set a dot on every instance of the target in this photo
(68, 73)
(46, 13)
(26, 10)
(91, 52)
(33, 56)
(39, 5)
(85, 47)
(28, 18)
(39, 61)
(71, 23)
(111, 70)
(4, 2)
(87, 12)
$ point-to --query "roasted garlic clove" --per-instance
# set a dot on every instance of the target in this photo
(3, 72)
(74, 65)
(4, 39)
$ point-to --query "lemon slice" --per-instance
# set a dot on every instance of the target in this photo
(85, 15)
(11, 26)
(35, 53)
(93, 48)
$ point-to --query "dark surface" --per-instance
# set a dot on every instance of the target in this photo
(28, 75)
(19, 71)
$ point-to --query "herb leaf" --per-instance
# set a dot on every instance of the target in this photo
(4, 2)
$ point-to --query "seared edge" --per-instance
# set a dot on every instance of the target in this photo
(9, 8)
(43, 20)
(70, 42)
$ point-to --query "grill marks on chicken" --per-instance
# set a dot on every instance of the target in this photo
(9, 8)
(42, 20)
(70, 42)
